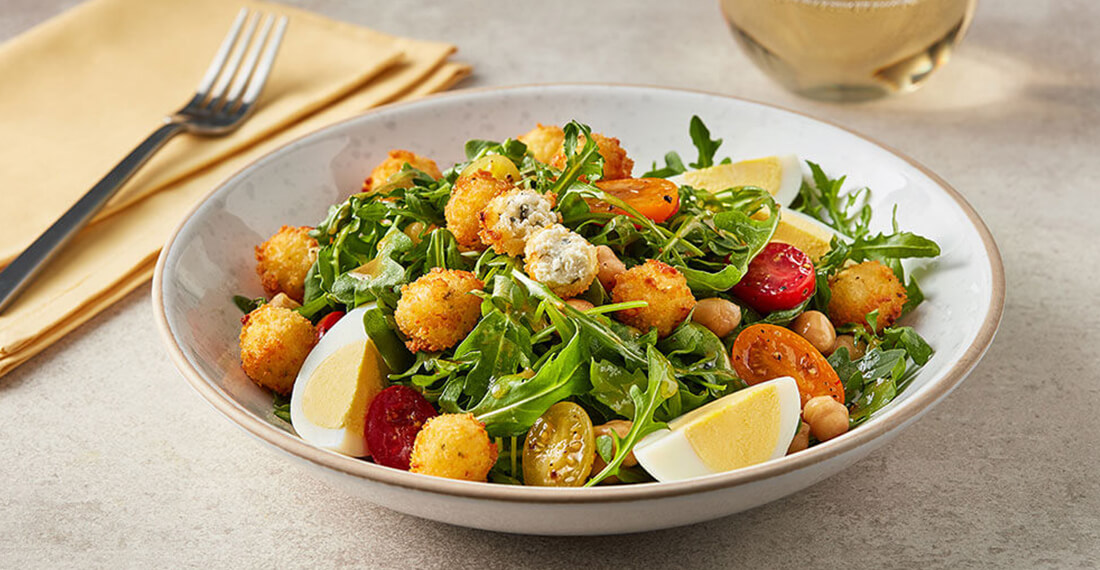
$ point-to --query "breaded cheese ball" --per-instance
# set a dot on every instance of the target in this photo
(392, 165)
(862, 288)
(436, 311)
(561, 259)
(510, 218)
(455, 446)
(468, 198)
(663, 287)
(284, 259)
(543, 142)
(616, 164)
(274, 343)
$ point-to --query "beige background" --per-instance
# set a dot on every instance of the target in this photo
(108, 459)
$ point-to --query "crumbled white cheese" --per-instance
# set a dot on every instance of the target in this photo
(561, 259)
(521, 213)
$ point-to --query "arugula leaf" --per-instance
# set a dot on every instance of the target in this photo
(736, 237)
(660, 386)
(707, 148)
(873, 365)
(673, 165)
(849, 214)
(605, 446)
(913, 296)
(376, 278)
(282, 407)
(512, 403)
(313, 289)
(907, 339)
(611, 385)
(507, 468)
(700, 137)
(247, 305)
(874, 397)
(383, 333)
(884, 248)
(782, 318)
(604, 333)
(586, 162)
(702, 368)
(442, 251)
(510, 148)
(498, 347)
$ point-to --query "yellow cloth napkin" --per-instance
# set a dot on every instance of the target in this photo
(326, 71)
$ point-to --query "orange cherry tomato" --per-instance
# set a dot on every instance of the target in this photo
(655, 198)
(766, 352)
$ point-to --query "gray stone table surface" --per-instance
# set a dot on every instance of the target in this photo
(108, 458)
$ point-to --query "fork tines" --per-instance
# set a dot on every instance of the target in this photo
(232, 73)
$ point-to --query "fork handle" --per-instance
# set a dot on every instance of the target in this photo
(20, 272)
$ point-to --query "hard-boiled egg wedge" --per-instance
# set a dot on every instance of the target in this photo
(747, 427)
(804, 232)
(336, 384)
(781, 176)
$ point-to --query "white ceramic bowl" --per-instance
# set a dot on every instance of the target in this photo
(209, 259)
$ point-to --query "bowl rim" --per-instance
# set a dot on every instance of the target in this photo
(906, 411)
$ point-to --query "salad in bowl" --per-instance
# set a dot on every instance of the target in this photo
(539, 315)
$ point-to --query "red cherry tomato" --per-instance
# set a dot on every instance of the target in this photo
(393, 420)
(327, 322)
(779, 278)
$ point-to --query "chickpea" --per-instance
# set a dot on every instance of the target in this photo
(827, 417)
(621, 428)
(718, 315)
(848, 341)
(815, 327)
(801, 439)
(609, 266)
(579, 304)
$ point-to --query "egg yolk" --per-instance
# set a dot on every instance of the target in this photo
(343, 385)
(743, 432)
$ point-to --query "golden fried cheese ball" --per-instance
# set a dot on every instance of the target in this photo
(468, 198)
(284, 259)
(560, 259)
(663, 287)
(436, 311)
(274, 343)
(392, 165)
(455, 446)
(616, 164)
(510, 218)
(543, 141)
(862, 288)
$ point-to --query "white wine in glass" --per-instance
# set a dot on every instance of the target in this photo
(849, 50)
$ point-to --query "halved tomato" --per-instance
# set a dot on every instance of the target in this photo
(780, 277)
(655, 198)
(765, 352)
(559, 448)
(394, 419)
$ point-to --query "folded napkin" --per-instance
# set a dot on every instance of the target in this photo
(83, 89)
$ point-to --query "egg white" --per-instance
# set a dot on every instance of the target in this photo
(791, 182)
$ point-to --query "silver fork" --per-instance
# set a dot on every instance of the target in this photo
(223, 100)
